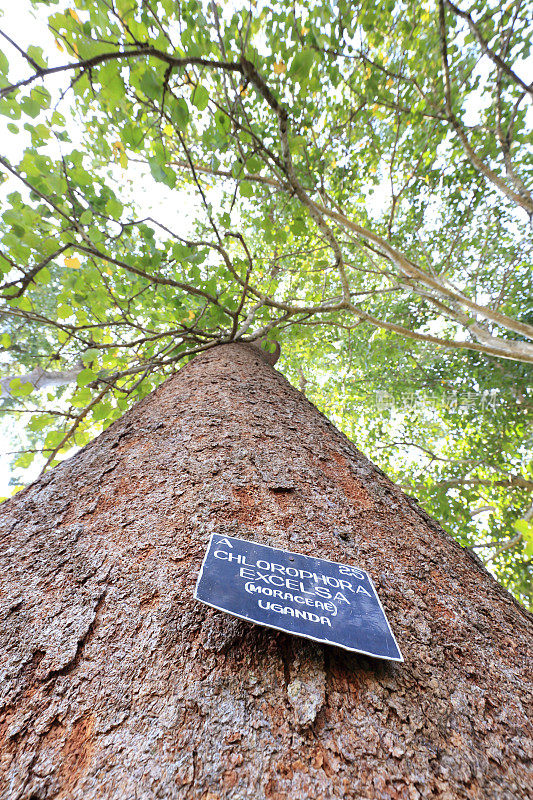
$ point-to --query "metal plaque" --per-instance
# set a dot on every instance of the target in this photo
(311, 597)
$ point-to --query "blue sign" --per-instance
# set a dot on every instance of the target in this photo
(311, 597)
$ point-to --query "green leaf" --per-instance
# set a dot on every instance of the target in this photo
(5, 338)
(200, 98)
(53, 439)
(179, 112)
(4, 64)
(157, 170)
(24, 304)
(102, 411)
(63, 312)
(37, 54)
(302, 64)
(86, 376)
(246, 189)
(10, 107)
(40, 421)
(132, 134)
(86, 217)
(19, 389)
(30, 107)
(114, 208)
(254, 165)
(298, 227)
(222, 122)
(44, 276)
(89, 356)
(150, 84)
(24, 461)
(524, 527)
(81, 398)
(236, 169)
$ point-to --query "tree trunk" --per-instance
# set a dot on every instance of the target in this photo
(117, 684)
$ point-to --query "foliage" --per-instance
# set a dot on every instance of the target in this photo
(350, 178)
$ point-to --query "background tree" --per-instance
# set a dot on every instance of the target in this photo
(353, 179)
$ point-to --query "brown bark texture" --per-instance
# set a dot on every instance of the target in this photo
(116, 684)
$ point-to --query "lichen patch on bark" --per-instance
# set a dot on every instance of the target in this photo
(306, 690)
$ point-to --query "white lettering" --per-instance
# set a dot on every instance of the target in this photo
(346, 585)
(226, 542)
(340, 596)
(288, 611)
(353, 572)
(292, 571)
(246, 572)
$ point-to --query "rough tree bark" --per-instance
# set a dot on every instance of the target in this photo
(116, 684)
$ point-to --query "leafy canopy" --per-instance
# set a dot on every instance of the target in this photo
(353, 179)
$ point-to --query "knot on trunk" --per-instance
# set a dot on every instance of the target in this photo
(269, 349)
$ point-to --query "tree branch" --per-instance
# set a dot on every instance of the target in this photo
(488, 51)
